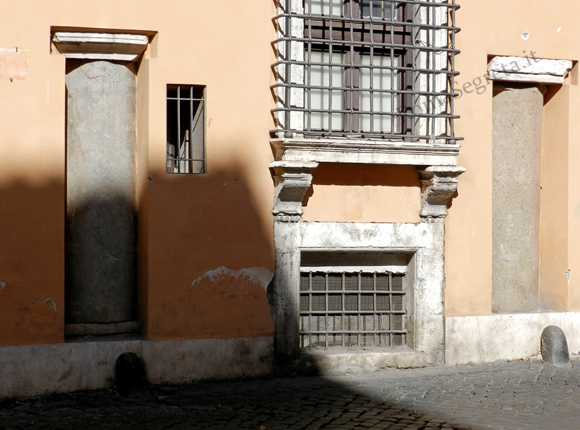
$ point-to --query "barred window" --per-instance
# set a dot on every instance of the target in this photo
(352, 309)
(185, 129)
(366, 69)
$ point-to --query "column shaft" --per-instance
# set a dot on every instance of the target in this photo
(101, 221)
(517, 138)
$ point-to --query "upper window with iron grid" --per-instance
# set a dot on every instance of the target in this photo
(382, 9)
(365, 69)
(354, 66)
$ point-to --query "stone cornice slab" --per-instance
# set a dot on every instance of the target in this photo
(526, 69)
(100, 46)
(365, 151)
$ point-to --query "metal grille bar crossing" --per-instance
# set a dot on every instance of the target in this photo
(366, 69)
(352, 309)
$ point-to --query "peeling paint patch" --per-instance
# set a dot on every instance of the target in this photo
(258, 274)
(222, 302)
(13, 63)
(2, 285)
(47, 302)
(525, 35)
(568, 274)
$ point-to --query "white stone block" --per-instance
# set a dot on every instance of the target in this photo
(526, 69)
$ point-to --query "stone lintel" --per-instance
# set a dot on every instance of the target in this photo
(438, 185)
(100, 46)
(292, 180)
(526, 69)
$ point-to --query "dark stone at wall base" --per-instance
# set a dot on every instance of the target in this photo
(554, 346)
(129, 374)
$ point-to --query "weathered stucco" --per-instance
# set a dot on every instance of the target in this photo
(220, 303)
(13, 64)
(187, 225)
(191, 226)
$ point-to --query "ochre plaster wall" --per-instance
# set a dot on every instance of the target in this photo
(192, 225)
(554, 200)
(488, 28)
(188, 225)
(363, 193)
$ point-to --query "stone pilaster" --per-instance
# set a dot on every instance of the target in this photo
(517, 152)
(292, 179)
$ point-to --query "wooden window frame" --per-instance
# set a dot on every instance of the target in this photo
(340, 34)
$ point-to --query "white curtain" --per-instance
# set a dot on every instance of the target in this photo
(327, 76)
(377, 79)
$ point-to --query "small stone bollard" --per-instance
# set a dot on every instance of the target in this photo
(554, 346)
(129, 374)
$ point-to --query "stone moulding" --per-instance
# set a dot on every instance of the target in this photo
(365, 151)
(525, 69)
(438, 186)
(100, 46)
(292, 181)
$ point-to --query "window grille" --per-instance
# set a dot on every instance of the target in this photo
(366, 69)
(351, 309)
(185, 129)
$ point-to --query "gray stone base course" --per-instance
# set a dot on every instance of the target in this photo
(29, 370)
(361, 362)
(487, 338)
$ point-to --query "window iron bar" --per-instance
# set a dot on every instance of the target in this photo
(329, 319)
(403, 104)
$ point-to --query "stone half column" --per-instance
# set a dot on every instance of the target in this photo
(517, 143)
(517, 146)
(101, 197)
(292, 180)
(100, 242)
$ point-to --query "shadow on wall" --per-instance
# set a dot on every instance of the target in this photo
(32, 262)
(211, 256)
(100, 252)
(208, 255)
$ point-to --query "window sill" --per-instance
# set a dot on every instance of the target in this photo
(364, 151)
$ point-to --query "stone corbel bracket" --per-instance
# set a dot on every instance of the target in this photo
(526, 69)
(438, 185)
(292, 180)
(100, 46)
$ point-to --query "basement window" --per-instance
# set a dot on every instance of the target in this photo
(354, 307)
(186, 129)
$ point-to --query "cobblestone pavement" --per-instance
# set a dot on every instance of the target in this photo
(516, 395)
